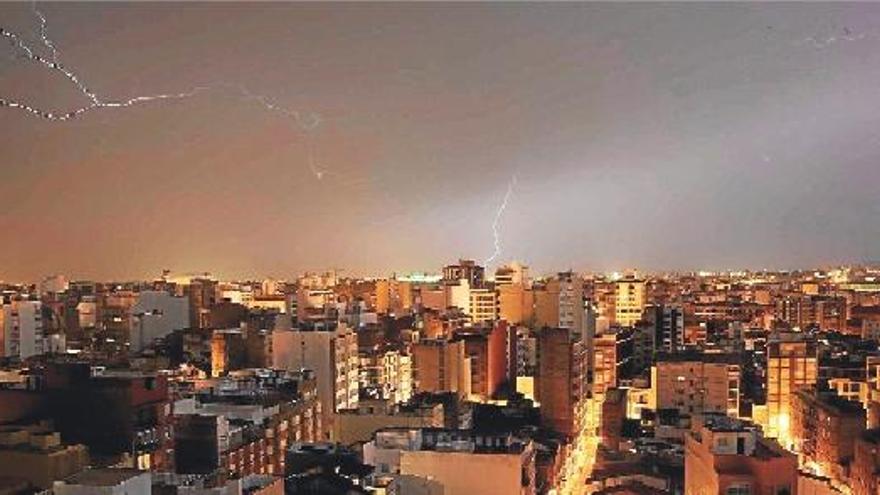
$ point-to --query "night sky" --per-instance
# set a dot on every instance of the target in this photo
(640, 135)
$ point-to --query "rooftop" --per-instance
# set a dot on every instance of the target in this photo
(831, 402)
(103, 477)
(696, 356)
(447, 440)
(720, 423)
(631, 488)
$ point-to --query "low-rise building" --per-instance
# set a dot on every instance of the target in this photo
(243, 423)
(726, 456)
(358, 425)
(465, 463)
(35, 454)
(106, 482)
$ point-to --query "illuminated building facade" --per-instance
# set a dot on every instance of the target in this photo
(696, 383)
(792, 363)
(629, 301)
(824, 428)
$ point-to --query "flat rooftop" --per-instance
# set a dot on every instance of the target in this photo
(103, 477)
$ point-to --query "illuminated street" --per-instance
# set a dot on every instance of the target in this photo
(580, 463)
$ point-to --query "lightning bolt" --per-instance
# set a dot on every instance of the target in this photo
(317, 172)
(823, 42)
(496, 235)
(44, 36)
(52, 64)
(306, 121)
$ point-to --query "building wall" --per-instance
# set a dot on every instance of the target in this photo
(333, 357)
(434, 298)
(22, 329)
(629, 302)
(516, 304)
(136, 485)
(824, 434)
(559, 382)
(483, 305)
(126, 415)
(471, 474)
(357, 427)
(813, 485)
(17, 405)
(711, 473)
(613, 414)
(487, 354)
(696, 387)
(441, 366)
(865, 475)
(497, 357)
(40, 467)
(604, 363)
(546, 307)
(571, 304)
(391, 372)
(156, 314)
(790, 366)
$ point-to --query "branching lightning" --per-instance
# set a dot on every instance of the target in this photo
(44, 36)
(307, 122)
(496, 223)
(53, 65)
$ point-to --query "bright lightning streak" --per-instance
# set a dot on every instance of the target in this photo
(95, 101)
(307, 122)
(318, 173)
(497, 221)
(826, 41)
(44, 33)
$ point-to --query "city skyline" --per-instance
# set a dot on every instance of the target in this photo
(419, 248)
(592, 136)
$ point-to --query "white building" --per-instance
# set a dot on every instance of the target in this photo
(480, 303)
(237, 293)
(571, 303)
(106, 482)
(331, 354)
(155, 315)
(391, 372)
(22, 329)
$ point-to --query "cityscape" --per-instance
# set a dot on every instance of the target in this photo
(457, 382)
(428, 248)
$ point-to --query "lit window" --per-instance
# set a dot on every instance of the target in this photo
(738, 490)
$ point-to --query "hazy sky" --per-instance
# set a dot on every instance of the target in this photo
(649, 135)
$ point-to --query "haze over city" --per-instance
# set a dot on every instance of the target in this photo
(658, 136)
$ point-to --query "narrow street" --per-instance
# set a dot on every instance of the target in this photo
(579, 464)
